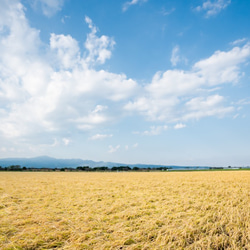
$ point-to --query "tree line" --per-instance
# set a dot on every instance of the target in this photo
(83, 169)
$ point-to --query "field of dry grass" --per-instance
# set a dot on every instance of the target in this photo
(168, 210)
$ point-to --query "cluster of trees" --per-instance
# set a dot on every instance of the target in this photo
(12, 168)
(19, 168)
(83, 168)
(120, 168)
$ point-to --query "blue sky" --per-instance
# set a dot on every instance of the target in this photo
(138, 81)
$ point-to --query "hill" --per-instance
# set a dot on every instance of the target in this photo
(49, 162)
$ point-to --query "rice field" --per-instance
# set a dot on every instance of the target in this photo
(126, 210)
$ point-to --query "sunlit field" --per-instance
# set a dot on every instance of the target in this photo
(154, 210)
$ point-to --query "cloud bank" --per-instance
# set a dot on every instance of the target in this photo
(178, 95)
(51, 89)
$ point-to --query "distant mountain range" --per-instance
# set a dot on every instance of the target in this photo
(49, 162)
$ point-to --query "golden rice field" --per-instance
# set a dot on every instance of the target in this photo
(152, 210)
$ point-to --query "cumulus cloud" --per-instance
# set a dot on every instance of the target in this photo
(53, 91)
(154, 109)
(132, 2)
(66, 50)
(213, 7)
(223, 67)
(170, 95)
(113, 149)
(155, 130)
(100, 136)
(56, 90)
(179, 126)
(99, 48)
(66, 141)
(92, 119)
(199, 107)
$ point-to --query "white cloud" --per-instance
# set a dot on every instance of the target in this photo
(133, 146)
(64, 18)
(57, 90)
(199, 107)
(239, 105)
(52, 92)
(7, 150)
(167, 12)
(155, 130)
(22, 72)
(169, 96)
(174, 83)
(175, 57)
(132, 2)
(99, 108)
(238, 41)
(223, 67)
(66, 141)
(154, 109)
(213, 7)
(66, 49)
(99, 48)
(113, 149)
(179, 126)
(243, 102)
(49, 7)
(4, 149)
(100, 136)
(92, 119)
